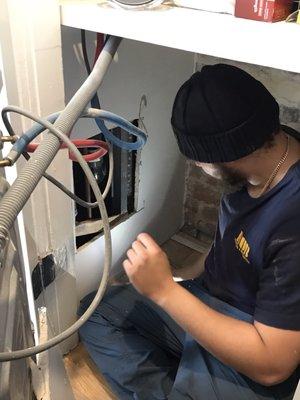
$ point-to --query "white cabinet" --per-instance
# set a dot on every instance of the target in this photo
(220, 35)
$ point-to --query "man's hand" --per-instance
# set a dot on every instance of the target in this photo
(148, 268)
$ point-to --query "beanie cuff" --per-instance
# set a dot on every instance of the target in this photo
(231, 145)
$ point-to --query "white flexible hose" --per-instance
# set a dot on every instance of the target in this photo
(31, 351)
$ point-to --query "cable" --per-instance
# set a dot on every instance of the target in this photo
(84, 52)
(31, 351)
(77, 199)
(95, 102)
(72, 195)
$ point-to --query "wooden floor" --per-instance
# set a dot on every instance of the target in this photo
(87, 383)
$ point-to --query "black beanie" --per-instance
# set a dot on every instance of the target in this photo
(222, 114)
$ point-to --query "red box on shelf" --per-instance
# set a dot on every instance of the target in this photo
(263, 10)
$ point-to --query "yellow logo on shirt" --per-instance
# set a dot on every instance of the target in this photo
(242, 245)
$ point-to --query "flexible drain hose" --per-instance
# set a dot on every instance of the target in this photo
(18, 194)
(23, 353)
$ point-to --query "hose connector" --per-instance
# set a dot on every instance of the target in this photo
(5, 163)
(7, 139)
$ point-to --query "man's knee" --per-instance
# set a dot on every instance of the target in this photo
(116, 309)
(111, 296)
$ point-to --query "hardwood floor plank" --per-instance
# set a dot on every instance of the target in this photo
(86, 381)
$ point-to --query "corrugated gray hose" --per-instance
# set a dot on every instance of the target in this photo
(20, 191)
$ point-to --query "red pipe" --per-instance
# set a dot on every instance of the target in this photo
(99, 46)
(80, 144)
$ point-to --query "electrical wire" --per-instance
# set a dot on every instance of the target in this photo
(95, 102)
(31, 351)
(84, 52)
(77, 199)
(72, 195)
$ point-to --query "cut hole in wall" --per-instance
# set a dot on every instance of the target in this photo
(121, 199)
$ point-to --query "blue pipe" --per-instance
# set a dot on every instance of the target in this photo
(36, 129)
(20, 145)
(127, 126)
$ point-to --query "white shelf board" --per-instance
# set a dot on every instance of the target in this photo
(219, 35)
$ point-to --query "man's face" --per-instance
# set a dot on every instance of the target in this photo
(228, 174)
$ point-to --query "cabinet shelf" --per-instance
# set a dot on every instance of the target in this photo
(220, 35)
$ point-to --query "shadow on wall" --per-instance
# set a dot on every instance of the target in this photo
(155, 220)
(202, 192)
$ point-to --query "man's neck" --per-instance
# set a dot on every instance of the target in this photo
(260, 168)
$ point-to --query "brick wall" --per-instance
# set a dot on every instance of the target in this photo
(202, 192)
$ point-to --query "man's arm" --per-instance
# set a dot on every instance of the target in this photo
(265, 354)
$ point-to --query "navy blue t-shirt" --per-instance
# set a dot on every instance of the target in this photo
(254, 263)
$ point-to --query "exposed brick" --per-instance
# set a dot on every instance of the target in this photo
(206, 195)
(289, 114)
(206, 228)
(210, 214)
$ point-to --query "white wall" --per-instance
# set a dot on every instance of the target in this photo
(156, 72)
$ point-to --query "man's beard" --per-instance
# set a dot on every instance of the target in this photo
(232, 180)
